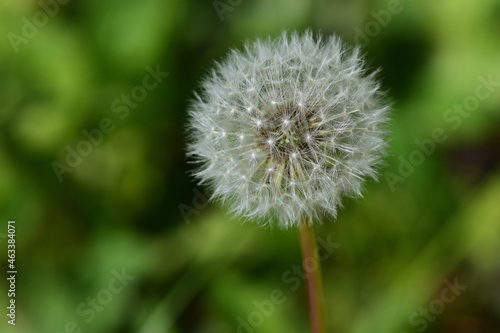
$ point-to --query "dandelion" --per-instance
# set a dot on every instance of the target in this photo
(287, 128)
(282, 131)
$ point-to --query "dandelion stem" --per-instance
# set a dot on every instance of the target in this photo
(312, 269)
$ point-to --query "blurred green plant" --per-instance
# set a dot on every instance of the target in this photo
(120, 207)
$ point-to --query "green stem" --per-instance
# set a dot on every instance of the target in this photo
(312, 269)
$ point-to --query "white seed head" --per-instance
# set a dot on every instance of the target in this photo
(285, 129)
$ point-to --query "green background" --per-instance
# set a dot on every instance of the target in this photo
(130, 203)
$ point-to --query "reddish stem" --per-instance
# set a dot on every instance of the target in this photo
(312, 269)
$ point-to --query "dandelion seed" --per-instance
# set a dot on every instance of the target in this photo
(314, 130)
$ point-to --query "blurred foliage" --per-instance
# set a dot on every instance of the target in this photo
(123, 206)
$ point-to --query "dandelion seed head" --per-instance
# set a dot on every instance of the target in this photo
(313, 122)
